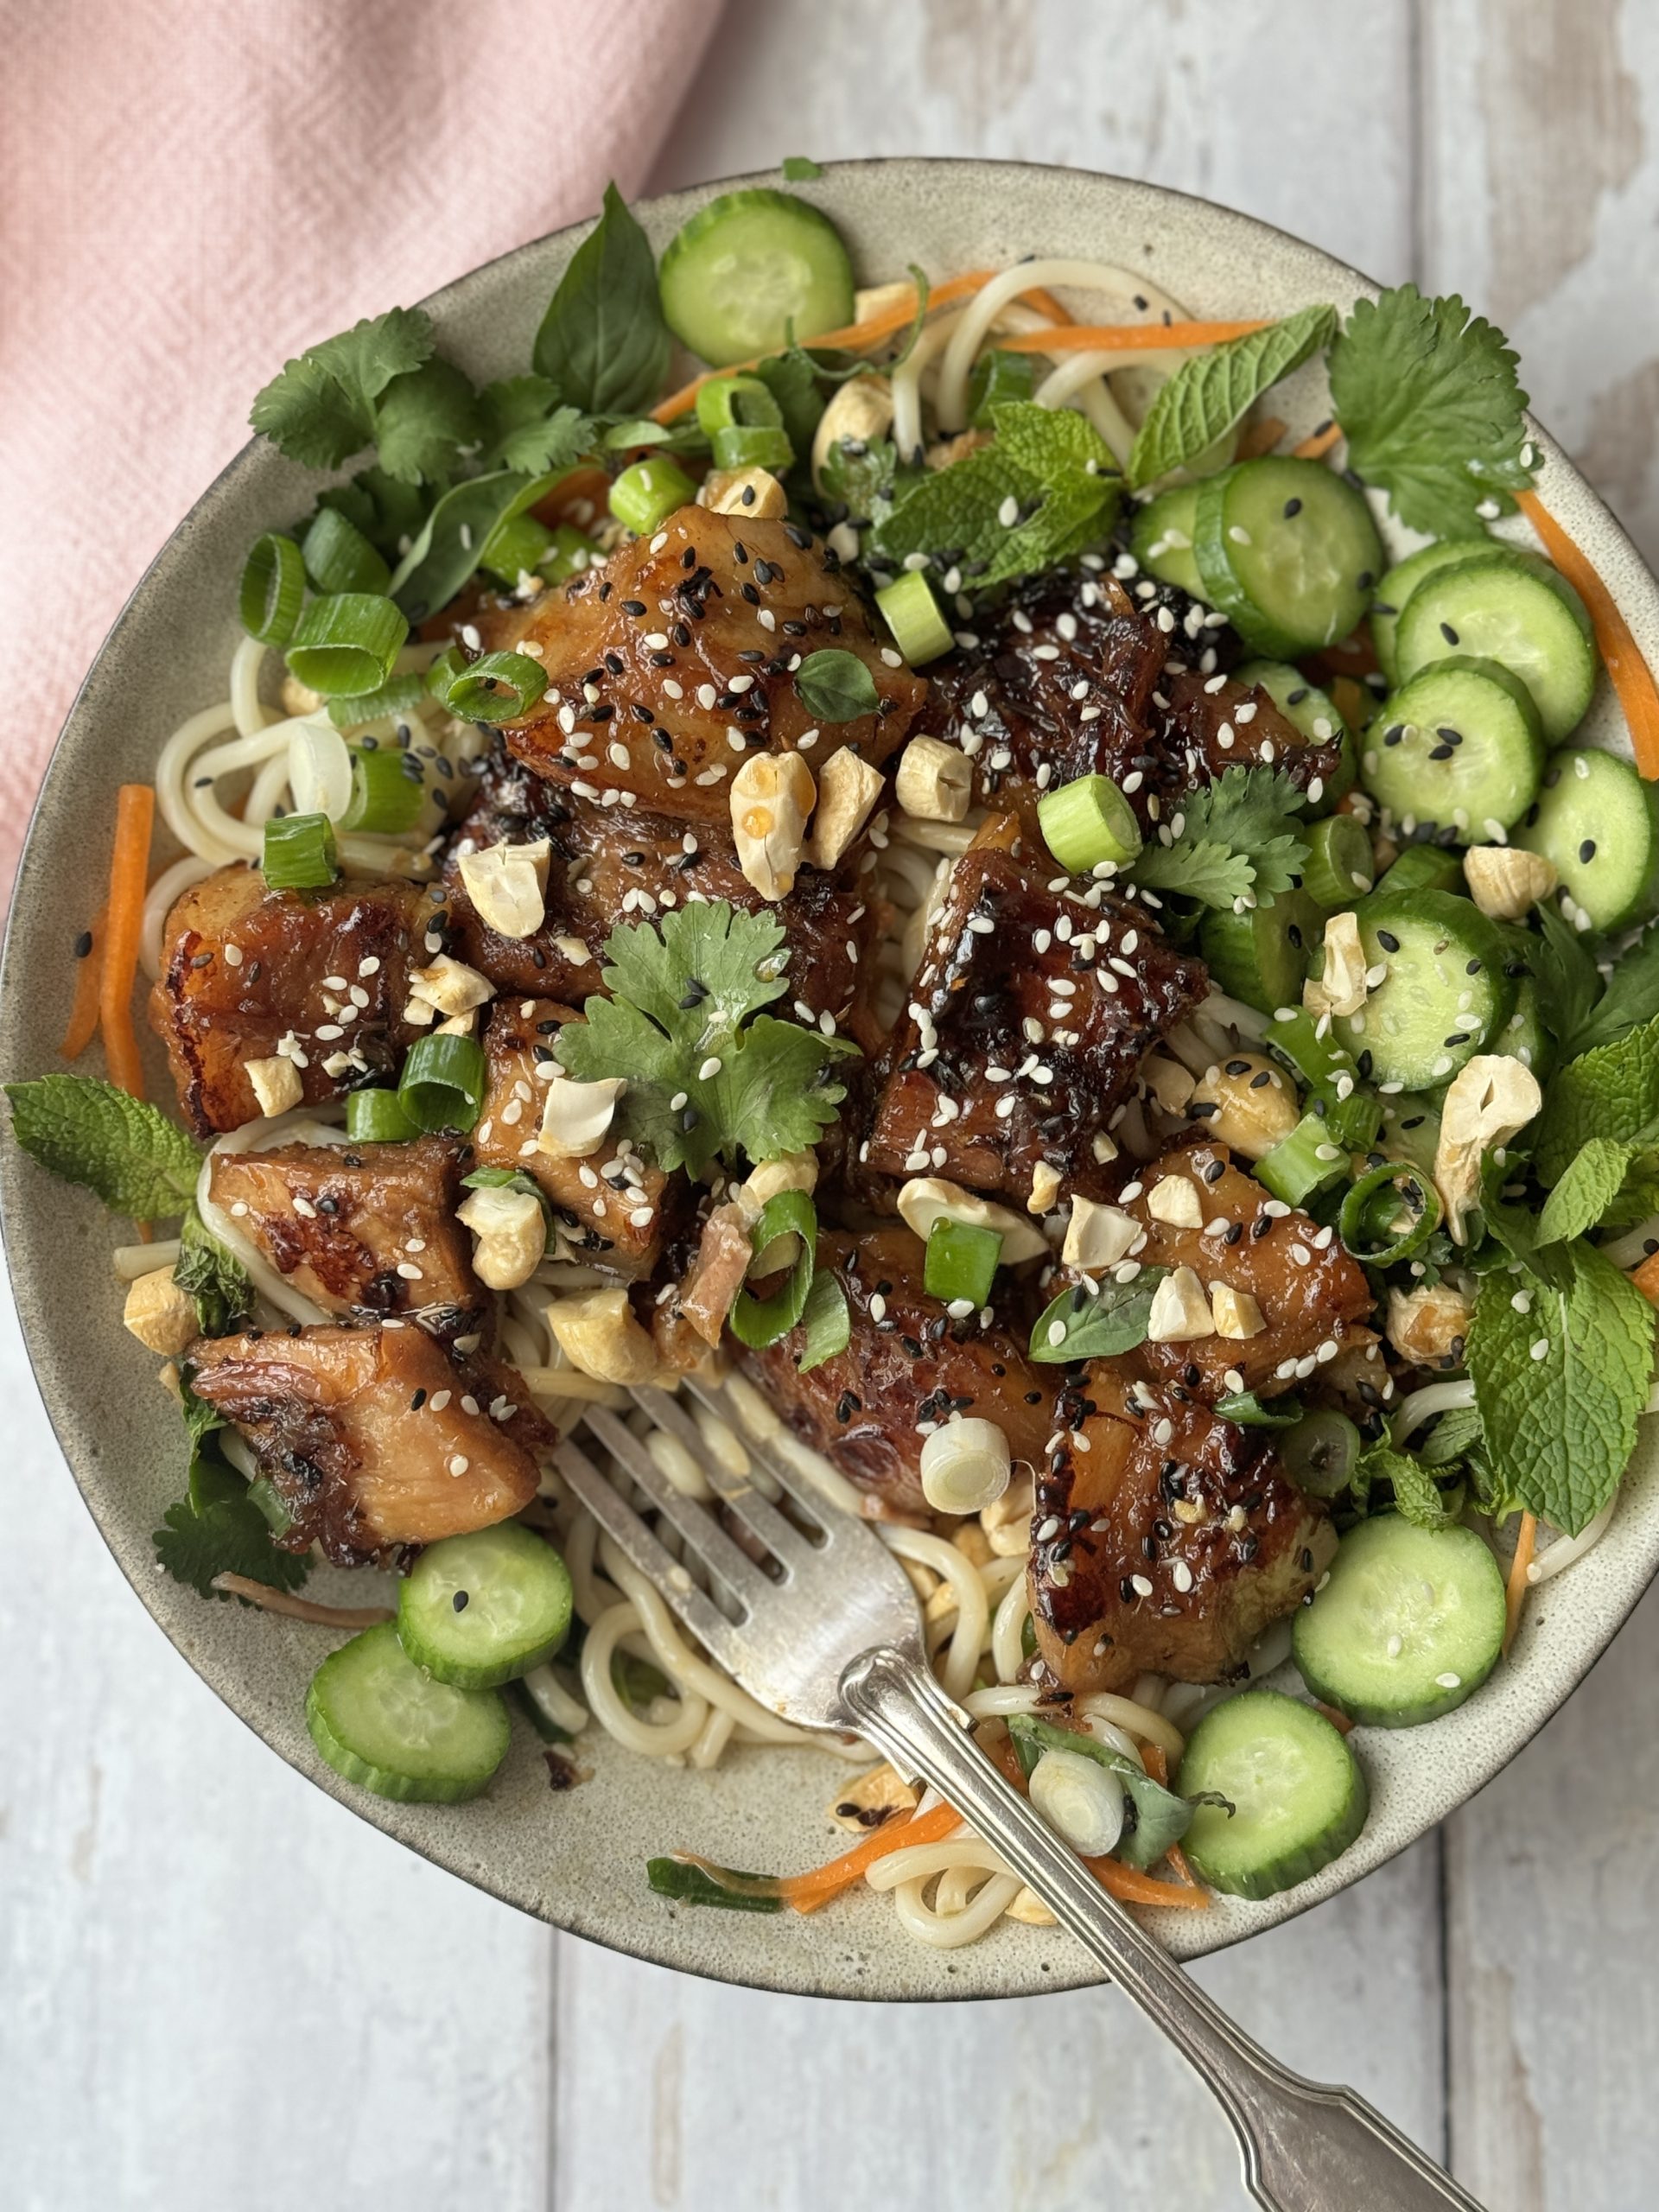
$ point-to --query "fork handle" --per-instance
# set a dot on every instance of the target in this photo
(1307, 2146)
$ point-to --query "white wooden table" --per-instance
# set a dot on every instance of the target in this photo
(219, 1987)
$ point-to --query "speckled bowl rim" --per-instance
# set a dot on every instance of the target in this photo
(57, 1241)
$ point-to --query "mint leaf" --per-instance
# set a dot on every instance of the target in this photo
(525, 426)
(425, 422)
(1076, 1325)
(826, 1327)
(1588, 1186)
(1561, 1385)
(603, 343)
(1630, 998)
(320, 409)
(1428, 401)
(213, 1277)
(124, 1151)
(835, 686)
(1569, 983)
(1611, 1092)
(1156, 1817)
(1417, 1496)
(1211, 393)
(798, 171)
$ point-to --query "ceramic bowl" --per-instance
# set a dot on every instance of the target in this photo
(577, 1858)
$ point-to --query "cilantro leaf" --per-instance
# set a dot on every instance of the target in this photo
(425, 422)
(1206, 871)
(321, 408)
(1588, 1186)
(1569, 981)
(1632, 996)
(388, 513)
(1561, 1386)
(128, 1152)
(213, 1277)
(1211, 394)
(526, 426)
(1239, 835)
(1076, 1326)
(603, 343)
(686, 997)
(219, 1530)
(1611, 1092)
(835, 686)
(798, 171)
(1427, 398)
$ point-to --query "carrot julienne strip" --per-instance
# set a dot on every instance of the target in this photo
(1631, 677)
(806, 1892)
(1526, 1544)
(1133, 1887)
(135, 815)
(1126, 337)
(1321, 442)
(1646, 1278)
(89, 969)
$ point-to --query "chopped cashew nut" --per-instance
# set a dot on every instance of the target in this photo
(1007, 1520)
(862, 409)
(944, 452)
(1168, 1082)
(1176, 1200)
(970, 1539)
(160, 1314)
(511, 1232)
(847, 788)
(771, 795)
(276, 1085)
(1340, 987)
(1507, 883)
(576, 1118)
(575, 950)
(598, 1334)
(927, 1199)
(1429, 1327)
(935, 781)
(458, 1025)
(1237, 1312)
(1246, 1103)
(1180, 1310)
(1096, 1236)
(419, 1014)
(1103, 1147)
(299, 698)
(1489, 1100)
(754, 493)
(873, 1800)
(508, 886)
(1045, 1188)
(450, 985)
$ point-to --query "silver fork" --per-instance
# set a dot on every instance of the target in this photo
(831, 1637)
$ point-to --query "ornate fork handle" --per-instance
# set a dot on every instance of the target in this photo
(1307, 2146)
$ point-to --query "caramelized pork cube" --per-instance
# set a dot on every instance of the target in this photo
(318, 978)
(1023, 1028)
(377, 1437)
(1213, 726)
(1164, 1540)
(907, 1363)
(611, 1207)
(363, 1232)
(669, 662)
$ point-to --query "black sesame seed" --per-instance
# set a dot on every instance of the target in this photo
(1387, 940)
(1448, 633)
(83, 945)
(459, 1601)
(1587, 849)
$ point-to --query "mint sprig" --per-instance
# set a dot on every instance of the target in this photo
(1211, 394)
(124, 1151)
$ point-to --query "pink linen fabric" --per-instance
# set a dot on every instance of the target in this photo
(193, 190)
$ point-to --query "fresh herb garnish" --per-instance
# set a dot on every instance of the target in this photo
(1611, 1092)
(1211, 393)
(124, 1150)
(1238, 837)
(1116, 1318)
(377, 381)
(1568, 981)
(1155, 1817)
(798, 171)
(835, 686)
(1418, 1496)
(603, 344)
(452, 540)
(1588, 1186)
(525, 425)
(1631, 998)
(218, 1528)
(213, 1277)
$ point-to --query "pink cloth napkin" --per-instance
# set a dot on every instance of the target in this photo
(193, 190)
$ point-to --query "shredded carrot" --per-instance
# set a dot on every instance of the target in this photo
(1155, 1760)
(1339, 1721)
(1133, 1887)
(806, 1892)
(1045, 303)
(301, 1609)
(1125, 337)
(1260, 437)
(1321, 442)
(1631, 677)
(1526, 1544)
(135, 814)
(1646, 1278)
(83, 1014)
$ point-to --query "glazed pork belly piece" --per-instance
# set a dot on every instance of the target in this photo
(1024, 1027)
(1164, 1540)
(363, 1232)
(375, 1438)
(318, 978)
(669, 662)
(906, 1363)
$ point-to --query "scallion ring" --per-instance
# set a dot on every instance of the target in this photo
(497, 688)
(960, 1262)
(753, 445)
(338, 557)
(1357, 1222)
(443, 1082)
(299, 853)
(644, 497)
(379, 1117)
(516, 547)
(730, 403)
(759, 1322)
(346, 644)
(273, 589)
(397, 697)
(1320, 1454)
(388, 790)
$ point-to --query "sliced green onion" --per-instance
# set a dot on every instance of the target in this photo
(1353, 1114)
(572, 552)
(299, 853)
(319, 769)
(644, 497)
(1302, 1163)
(377, 1117)
(1339, 868)
(1369, 1225)
(338, 557)
(397, 699)
(347, 643)
(516, 547)
(960, 1262)
(273, 589)
(760, 447)
(996, 378)
(388, 790)
(759, 1322)
(732, 403)
(1320, 1454)
(688, 1884)
(1088, 823)
(443, 1082)
(826, 1326)
(497, 688)
(911, 613)
(1248, 1411)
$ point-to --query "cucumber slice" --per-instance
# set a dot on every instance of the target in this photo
(1162, 539)
(1409, 1624)
(1411, 1130)
(382, 1722)
(1498, 607)
(1298, 1795)
(1313, 712)
(1426, 868)
(1263, 956)
(1524, 1036)
(1598, 822)
(481, 1609)
(1289, 553)
(1444, 994)
(1404, 577)
(1338, 869)
(748, 268)
(1459, 745)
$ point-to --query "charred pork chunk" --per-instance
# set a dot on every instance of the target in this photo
(907, 1363)
(375, 1438)
(1071, 677)
(1025, 1026)
(612, 866)
(676, 658)
(1164, 1540)
(315, 979)
(611, 1205)
(363, 1232)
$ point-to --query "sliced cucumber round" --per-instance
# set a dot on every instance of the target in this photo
(1313, 712)
(1442, 994)
(1495, 607)
(1409, 1624)
(1411, 1130)
(1460, 746)
(1598, 822)
(1524, 1036)
(749, 268)
(484, 1608)
(382, 1722)
(1297, 1793)
(1162, 539)
(1339, 868)
(1399, 584)
(1289, 553)
(1263, 956)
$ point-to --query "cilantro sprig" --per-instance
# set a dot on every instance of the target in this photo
(1239, 839)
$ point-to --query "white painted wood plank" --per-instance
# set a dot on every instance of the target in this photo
(217, 1982)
